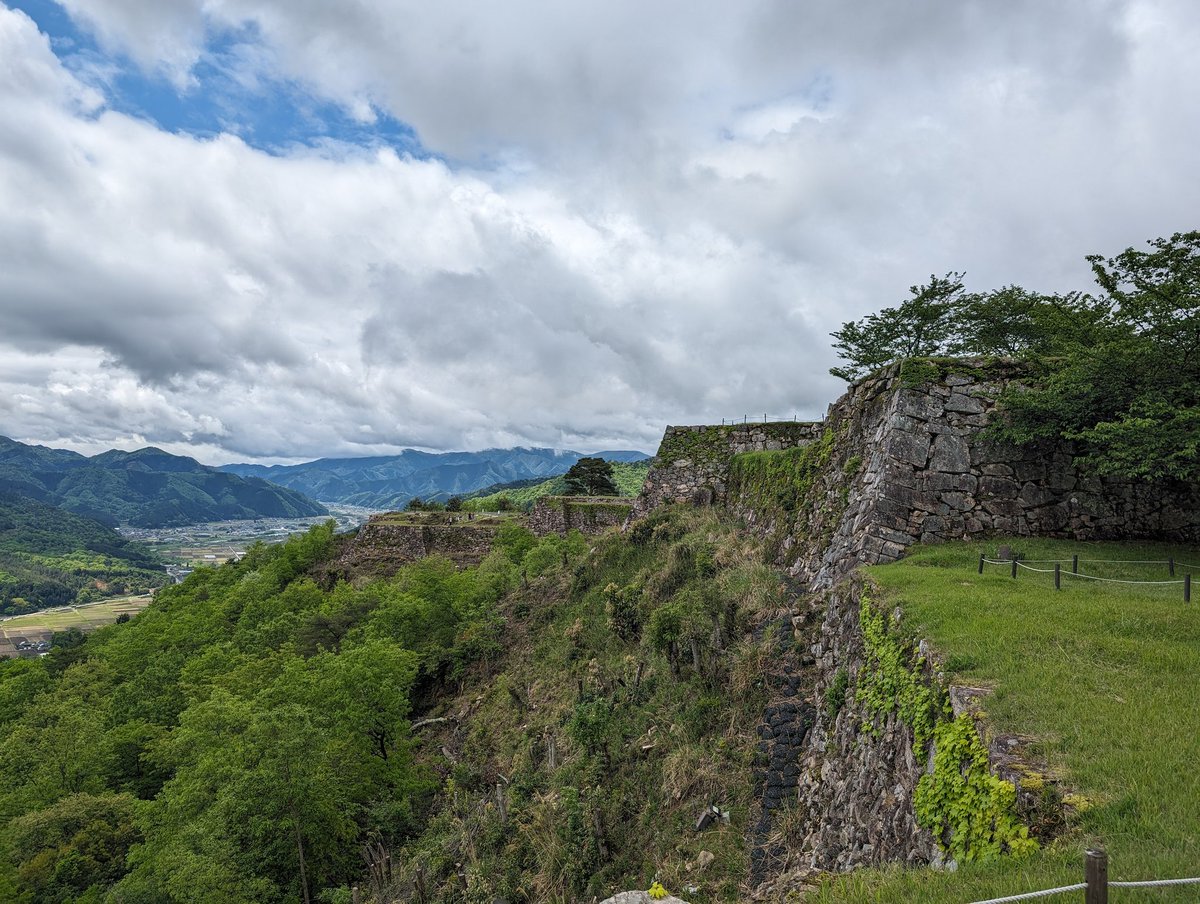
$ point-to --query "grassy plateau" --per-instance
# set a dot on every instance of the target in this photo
(1106, 677)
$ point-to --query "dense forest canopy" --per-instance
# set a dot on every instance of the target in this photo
(236, 740)
(1116, 372)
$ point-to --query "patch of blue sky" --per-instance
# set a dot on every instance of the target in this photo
(230, 91)
(813, 100)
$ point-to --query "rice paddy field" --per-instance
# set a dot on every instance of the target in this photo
(38, 626)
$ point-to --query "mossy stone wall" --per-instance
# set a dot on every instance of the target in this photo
(381, 546)
(692, 464)
(905, 458)
(586, 514)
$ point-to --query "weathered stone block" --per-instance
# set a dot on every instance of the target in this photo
(965, 404)
(951, 454)
(959, 501)
(996, 470)
(1002, 507)
(912, 448)
(998, 486)
(935, 482)
(933, 525)
(1049, 520)
(1034, 469)
(918, 405)
(984, 453)
(1034, 495)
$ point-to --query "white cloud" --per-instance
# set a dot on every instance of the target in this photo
(650, 215)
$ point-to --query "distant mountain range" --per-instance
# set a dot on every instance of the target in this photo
(389, 482)
(146, 488)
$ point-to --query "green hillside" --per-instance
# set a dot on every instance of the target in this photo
(628, 476)
(251, 716)
(50, 557)
(548, 725)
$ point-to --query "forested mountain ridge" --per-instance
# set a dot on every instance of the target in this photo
(51, 557)
(145, 488)
(389, 482)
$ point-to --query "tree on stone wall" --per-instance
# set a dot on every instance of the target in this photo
(921, 326)
(1116, 373)
(1127, 392)
(591, 477)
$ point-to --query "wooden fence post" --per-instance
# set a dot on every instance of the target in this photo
(981, 563)
(1096, 876)
(1171, 565)
(1187, 587)
(1075, 564)
(1014, 566)
(354, 896)
(1057, 577)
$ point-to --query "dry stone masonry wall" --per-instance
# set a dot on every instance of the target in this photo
(929, 473)
(386, 542)
(857, 773)
(382, 546)
(586, 514)
(906, 461)
(693, 462)
(901, 458)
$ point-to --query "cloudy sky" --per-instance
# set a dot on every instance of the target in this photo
(283, 229)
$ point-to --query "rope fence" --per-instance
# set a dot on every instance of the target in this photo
(1095, 885)
(1153, 883)
(1016, 563)
(1044, 893)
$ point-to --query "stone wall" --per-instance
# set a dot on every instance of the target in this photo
(855, 787)
(586, 514)
(900, 458)
(386, 542)
(928, 474)
(906, 462)
(383, 545)
(693, 462)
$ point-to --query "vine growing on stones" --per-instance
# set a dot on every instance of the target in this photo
(971, 812)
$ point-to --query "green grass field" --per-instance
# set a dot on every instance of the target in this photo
(87, 617)
(1106, 675)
